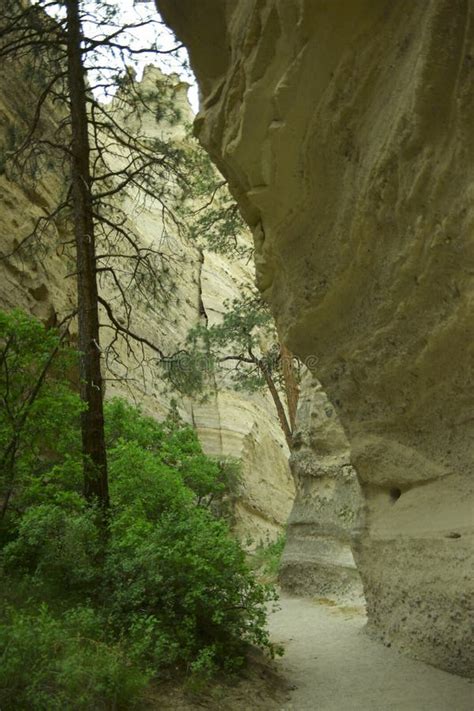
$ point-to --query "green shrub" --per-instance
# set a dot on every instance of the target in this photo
(123, 422)
(39, 413)
(185, 584)
(49, 662)
(164, 579)
(57, 546)
(174, 447)
(267, 557)
(141, 484)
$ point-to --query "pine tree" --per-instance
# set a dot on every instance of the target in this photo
(93, 436)
(244, 350)
(247, 337)
(69, 52)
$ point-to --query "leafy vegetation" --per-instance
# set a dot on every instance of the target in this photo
(63, 661)
(115, 553)
(91, 612)
(266, 558)
(39, 411)
(245, 350)
(244, 337)
(216, 221)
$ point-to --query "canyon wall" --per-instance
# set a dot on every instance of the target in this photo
(40, 280)
(328, 510)
(345, 130)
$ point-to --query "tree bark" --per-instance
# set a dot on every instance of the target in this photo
(91, 388)
(291, 386)
(278, 403)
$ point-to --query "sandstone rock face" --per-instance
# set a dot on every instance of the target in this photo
(243, 425)
(229, 424)
(328, 509)
(345, 130)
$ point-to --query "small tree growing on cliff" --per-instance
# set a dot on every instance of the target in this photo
(244, 349)
(245, 346)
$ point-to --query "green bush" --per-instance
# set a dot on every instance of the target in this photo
(140, 484)
(174, 448)
(39, 412)
(57, 546)
(171, 566)
(185, 582)
(49, 662)
(163, 579)
(267, 557)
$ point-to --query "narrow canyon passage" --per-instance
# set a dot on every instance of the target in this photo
(334, 666)
(236, 355)
(344, 131)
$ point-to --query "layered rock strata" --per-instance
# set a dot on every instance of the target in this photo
(345, 130)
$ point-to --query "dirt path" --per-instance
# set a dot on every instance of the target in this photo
(336, 667)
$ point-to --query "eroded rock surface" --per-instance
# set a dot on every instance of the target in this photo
(328, 509)
(345, 130)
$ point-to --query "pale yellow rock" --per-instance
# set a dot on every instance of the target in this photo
(328, 510)
(345, 129)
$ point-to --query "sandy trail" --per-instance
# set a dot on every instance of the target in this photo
(336, 667)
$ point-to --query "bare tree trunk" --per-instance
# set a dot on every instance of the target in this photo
(278, 403)
(93, 439)
(291, 386)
